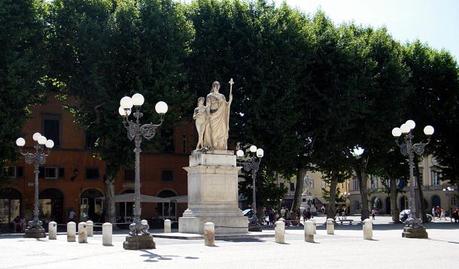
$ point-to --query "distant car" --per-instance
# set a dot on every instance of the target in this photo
(248, 212)
(406, 212)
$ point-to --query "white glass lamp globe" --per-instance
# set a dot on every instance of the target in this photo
(357, 151)
(42, 140)
(49, 144)
(260, 153)
(429, 130)
(20, 142)
(405, 128)
(411, 124)
(240, 153)
(124, 111)
(396, 132)
(161, 107)
(137, 99)
(253, 148)
(36, 136)
(126, 102)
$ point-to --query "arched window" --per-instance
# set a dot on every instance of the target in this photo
(52, 205)
(10, 205)
(92, 205)
(167, 210)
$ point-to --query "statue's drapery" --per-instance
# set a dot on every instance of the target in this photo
(216, 133)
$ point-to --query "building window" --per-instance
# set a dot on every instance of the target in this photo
(13, 171)
(129, 175)
(51, 128)
(51, 172)
(292, 186)
(167, 175)
(92, 173)
(436, 177)
(184, 143)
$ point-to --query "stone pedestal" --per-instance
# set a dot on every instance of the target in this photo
(414, 232)
(35, 232)
(213, 194)
(144, 241)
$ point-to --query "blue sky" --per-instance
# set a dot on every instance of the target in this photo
(435, 22)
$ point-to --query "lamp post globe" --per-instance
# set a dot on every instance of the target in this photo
(429, 130)
(411, 124)
(137, 99)
(126, 102)
(396, 132)
(36, 136)
(161, 107)
(20, 142)
(253, 148)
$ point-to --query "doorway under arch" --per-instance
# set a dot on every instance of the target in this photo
(92, 205)
(10, 206)
(167, 210)
(52, 205)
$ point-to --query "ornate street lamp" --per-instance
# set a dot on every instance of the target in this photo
(448, 191)
(139, 237)
(413, 225)
(250, 161)
(34, 227)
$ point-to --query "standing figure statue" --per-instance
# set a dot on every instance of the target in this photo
(201, 120)
(215, 120)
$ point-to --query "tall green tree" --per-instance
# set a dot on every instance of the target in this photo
(22, 68)
(103, 50)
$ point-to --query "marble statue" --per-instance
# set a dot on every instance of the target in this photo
(201, 120)
(212, 119)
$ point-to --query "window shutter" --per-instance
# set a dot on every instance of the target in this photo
(61, 172)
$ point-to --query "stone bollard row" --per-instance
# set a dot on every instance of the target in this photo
(90, 228)
(71, 231)
(107, 231)
(330, 226)
(167, 226)
(52, 230)
(309, 231)
(280, 232)
(367, 229)
(82, 233)
(209, 234)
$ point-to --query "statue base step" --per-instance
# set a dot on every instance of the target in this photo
(139, 242)
(223, 224)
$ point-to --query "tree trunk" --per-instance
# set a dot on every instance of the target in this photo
(421, 207)
(298, 189)
(395, 212)
(331, 209)
(110, 213)
(363, 184)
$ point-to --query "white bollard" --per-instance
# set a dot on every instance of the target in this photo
(90, 228)
(82, 233)
(167, 226)
(107, 231)
(52, 230)
(367, 229)
(280, 232)
(330, 226)
(314, 226)
(209, 234)
(71, 231)
(309, 231)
